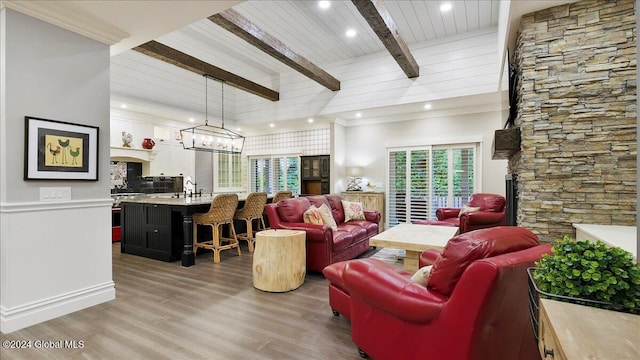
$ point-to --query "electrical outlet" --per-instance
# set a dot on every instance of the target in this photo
(55, 193)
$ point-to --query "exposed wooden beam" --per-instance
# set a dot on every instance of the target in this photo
(188, 62)
(232, 21)
(376, 14)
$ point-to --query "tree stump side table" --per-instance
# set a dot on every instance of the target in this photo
(279, 260)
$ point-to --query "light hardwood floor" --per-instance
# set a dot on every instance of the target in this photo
(207, 311)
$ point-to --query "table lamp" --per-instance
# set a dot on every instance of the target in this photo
(354, 174)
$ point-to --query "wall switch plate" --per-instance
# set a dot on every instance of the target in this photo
(55, 193)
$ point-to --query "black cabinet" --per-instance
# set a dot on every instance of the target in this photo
(314, 177)
(147, 231)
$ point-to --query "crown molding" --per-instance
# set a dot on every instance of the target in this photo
(70, 17)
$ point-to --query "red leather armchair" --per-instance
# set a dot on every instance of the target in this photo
(475, 304)
(492, 213)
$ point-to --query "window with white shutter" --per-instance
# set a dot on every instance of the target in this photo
(270, 174)
(422, 179)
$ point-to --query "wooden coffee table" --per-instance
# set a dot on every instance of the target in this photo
(414, 239)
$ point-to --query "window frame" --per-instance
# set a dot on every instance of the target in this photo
(255, 186)
(405, 212)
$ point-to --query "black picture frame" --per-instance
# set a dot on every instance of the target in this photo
(58, 150)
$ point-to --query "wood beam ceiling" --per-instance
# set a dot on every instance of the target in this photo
(188, 62)
(232, 21)
(380, 20)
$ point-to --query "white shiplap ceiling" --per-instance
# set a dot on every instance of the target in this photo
(155, 87)
(308, 30)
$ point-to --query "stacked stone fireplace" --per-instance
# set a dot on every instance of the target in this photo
(577, 117)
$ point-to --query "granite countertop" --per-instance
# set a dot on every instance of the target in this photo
(170, 199)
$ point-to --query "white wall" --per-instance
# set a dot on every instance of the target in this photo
(367, 145)
(55, 256)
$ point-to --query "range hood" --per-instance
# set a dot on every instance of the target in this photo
(130, 154)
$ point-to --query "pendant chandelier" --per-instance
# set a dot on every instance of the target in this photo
(208, 137)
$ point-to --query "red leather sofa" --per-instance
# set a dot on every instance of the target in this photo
(492, 213)
(475, 304)
(325, 246)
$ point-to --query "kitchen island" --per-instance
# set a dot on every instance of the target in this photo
(161, 226)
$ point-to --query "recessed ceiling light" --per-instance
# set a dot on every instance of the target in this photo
(238, 129)
(445, 7)
(324, 4)
(427, 106)
(310, 120)
(192, 119)
(358, 115)
(124, 106)
(350, 32)
(271, 125)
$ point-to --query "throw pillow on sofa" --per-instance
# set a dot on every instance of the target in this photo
(467, 209)
(352, 210)
(422, 275)
(312, 216)
(327, 217)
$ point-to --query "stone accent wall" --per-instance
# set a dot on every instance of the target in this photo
(577, 117)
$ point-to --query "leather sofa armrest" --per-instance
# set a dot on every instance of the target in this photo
(445, 213)
(392, 292)
(373, 216)
(428, 257)
(483, 218)
(315, 233)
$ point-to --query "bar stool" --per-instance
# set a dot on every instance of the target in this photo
(282, 194)
(221, 212)
(252, 210)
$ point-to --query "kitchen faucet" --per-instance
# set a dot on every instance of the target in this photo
(195, 189)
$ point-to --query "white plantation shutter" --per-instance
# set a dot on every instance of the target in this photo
(397, 187)
(419, 184)
(422, 179)
(270, 174)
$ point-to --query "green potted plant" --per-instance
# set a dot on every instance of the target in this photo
(589, 273)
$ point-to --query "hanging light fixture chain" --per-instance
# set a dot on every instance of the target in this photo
(206, 99)
(222, 96)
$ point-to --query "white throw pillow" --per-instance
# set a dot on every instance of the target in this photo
(468, 209)
(422, 275)
(352, 210)
(328, 217)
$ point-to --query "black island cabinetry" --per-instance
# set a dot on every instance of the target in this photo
(162, 227)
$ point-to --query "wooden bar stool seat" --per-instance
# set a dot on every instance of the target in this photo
(252, 210)
(281, 195)
(221, 212)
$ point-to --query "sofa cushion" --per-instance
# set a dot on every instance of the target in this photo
(466, 248)
(352, 210)
(312, 216)
(357, 231)
(487, 202)
(292, 210)
(335, 201)
(370, 227)
(327, 217)
(342, 239)
(318, 200)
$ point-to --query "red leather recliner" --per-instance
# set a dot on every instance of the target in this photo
(492, 213)
(475, 304)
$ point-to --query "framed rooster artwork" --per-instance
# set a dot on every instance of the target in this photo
(57, 150)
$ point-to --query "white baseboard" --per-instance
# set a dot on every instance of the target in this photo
(30, 314)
